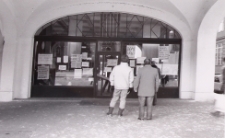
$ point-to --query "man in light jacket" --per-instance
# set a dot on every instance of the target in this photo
(121, 80)
(146, 84)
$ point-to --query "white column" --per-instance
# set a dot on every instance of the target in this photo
(205, 69)
(7, 70)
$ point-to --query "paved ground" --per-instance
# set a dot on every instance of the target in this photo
(85, 118)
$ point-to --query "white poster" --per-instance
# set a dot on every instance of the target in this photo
(169, 69)
(77, 73)
(140, 60)
(45, 59)
(130, 51)
(87, 71)
(58, 60)
(62, 67)
(43, 73)
(84, 55)
(65, 59)
(107, 69)
(163, 52)
(112, 62)
(156, 60)
(76, 60)
(85, 64)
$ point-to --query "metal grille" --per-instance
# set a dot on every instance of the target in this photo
(108, 25)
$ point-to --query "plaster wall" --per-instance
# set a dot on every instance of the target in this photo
(21, 19)
(8, 30)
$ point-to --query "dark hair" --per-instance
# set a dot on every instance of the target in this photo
(147, 61)
(124, 58)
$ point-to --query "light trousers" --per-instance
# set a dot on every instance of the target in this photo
(119, 94)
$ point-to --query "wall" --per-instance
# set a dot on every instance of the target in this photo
(9, 32)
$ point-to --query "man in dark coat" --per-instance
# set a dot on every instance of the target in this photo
(146, 84)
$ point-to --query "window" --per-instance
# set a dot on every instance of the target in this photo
(221, 27)
(219, 54)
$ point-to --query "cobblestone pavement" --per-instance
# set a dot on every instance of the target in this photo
(86, 118)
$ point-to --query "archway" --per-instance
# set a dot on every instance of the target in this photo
(206, 51)
(37, 19)
(91, 43)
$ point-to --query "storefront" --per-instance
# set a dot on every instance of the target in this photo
(73, 56)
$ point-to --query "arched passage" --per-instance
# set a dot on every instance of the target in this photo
(102, 36)
(36, 20)
(204, 85)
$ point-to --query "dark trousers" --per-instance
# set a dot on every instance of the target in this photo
(142, 107)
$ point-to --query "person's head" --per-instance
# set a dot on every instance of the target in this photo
(124, 58)
(147, 61)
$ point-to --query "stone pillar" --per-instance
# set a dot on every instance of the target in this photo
(7, 70)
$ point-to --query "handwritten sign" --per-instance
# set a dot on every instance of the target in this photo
(130, 51)
(76, 60)
(45, 59)
(164, 52)
(43, 73)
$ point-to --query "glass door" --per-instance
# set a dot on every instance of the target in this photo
(165, 57)
(105, 63)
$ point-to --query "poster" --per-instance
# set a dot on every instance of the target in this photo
(76, 60)
(156, 60)
(88, 72)
(45, 59)
(169, 69)
(140, 60)
(58, 60)
(130, 51)
(65, 59)
(112, 62)
(84, 55)
(62, 67)
(85, 64)
(77, 73)
(132, 63)
(107, 69)
(43, 73)
(163, 52)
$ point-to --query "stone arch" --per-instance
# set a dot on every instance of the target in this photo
(206, 51)
(38, 19)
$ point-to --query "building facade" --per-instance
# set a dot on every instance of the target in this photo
(21, 21)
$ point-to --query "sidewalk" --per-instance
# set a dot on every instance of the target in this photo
(86, 118)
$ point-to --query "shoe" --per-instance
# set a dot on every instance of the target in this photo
(110, 111)
(140, 118)
(120, 112)
(216, 113)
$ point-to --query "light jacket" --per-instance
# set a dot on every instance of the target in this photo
(122, 76)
